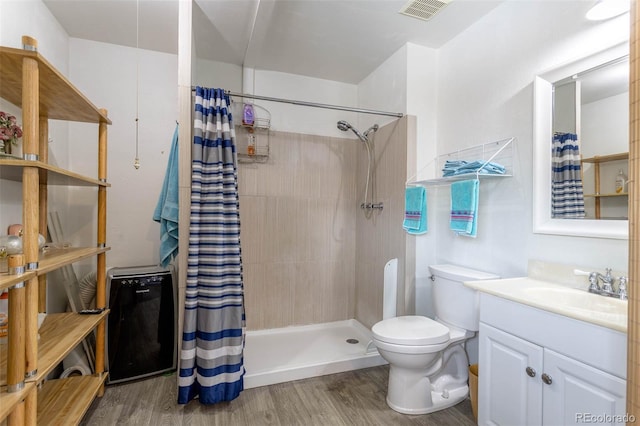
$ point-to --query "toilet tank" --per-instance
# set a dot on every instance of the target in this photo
(454, 303)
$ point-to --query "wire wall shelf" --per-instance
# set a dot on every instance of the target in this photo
(252, 140)
(500, 152)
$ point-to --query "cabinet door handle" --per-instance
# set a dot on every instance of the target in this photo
(546, 379)
(531, 372)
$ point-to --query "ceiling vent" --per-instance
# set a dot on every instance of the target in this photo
(423, 9)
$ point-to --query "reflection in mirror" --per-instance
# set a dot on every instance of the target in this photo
(580, 114)
(590, 143)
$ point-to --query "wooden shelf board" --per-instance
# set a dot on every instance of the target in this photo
(7, 281)
(65, 401)
(11, 169)
(9, 401)
(51, 260)
(606, 195)
(59, 99)
(59, 334)
(56, 258)
(606, 158)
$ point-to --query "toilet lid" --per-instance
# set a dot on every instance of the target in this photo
(411, 330)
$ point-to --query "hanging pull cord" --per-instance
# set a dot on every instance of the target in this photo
(136, 161)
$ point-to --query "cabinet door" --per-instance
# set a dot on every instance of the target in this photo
(508, 393)
(579, 393)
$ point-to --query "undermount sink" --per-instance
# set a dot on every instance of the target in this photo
(575, 303)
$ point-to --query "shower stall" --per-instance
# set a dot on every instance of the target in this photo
(315, 239)
(313, 259)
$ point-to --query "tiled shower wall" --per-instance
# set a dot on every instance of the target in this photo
(298, 235)
(309, 253)
(380, 236)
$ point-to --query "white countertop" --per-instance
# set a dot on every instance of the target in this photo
(560, 299)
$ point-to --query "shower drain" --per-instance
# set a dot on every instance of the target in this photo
(353, 341)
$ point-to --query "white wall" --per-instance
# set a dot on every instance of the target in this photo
(303, 119)
(385, 89)
(208, 73)
(485, 94)
(407, 82)
(285, 117)
(605, 126)
(422, 95)
(107, 75)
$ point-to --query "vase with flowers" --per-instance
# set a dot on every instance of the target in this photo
(10, 132)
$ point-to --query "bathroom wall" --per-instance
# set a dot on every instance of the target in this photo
(379, 235)
(106, 74)
(124, 80)
(299, 230)
(406, 82)
(303, 119)
(486, 94)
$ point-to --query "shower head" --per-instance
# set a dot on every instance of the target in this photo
(344, 126)
(373, 129)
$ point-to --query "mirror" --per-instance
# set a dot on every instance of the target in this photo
(566, 111)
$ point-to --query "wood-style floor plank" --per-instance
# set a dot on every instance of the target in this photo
(345, 399)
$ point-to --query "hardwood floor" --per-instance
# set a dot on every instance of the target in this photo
(351, 398)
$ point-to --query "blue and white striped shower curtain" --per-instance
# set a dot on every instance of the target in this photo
(567, 199)
(211, 360)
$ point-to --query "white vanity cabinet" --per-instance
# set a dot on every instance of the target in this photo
(541, 368)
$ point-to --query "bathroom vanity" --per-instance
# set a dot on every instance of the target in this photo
(550, 354)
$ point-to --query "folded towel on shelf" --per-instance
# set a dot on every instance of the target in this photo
(460, 167)
(415, 210)
(464, 207)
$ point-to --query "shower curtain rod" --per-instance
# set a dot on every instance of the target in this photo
(312, 104)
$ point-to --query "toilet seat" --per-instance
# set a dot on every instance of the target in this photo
(411, 330)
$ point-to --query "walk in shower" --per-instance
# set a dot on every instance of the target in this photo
(312, 261)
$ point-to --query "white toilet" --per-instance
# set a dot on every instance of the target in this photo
(428, 364)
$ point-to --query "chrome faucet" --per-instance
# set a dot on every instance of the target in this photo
(607, 285)
(622, 288)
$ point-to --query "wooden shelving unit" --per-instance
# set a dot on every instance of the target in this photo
(597, 161)
(26, 397)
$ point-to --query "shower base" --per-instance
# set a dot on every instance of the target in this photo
(298, 352)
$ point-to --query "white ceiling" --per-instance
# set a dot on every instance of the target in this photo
(337, 40)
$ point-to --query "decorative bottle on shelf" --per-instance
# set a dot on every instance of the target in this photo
(621, 181)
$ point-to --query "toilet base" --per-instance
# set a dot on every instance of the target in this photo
(439, 402)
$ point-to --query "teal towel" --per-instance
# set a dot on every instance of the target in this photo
(166, 211)
(464, 207)
(415, 210)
